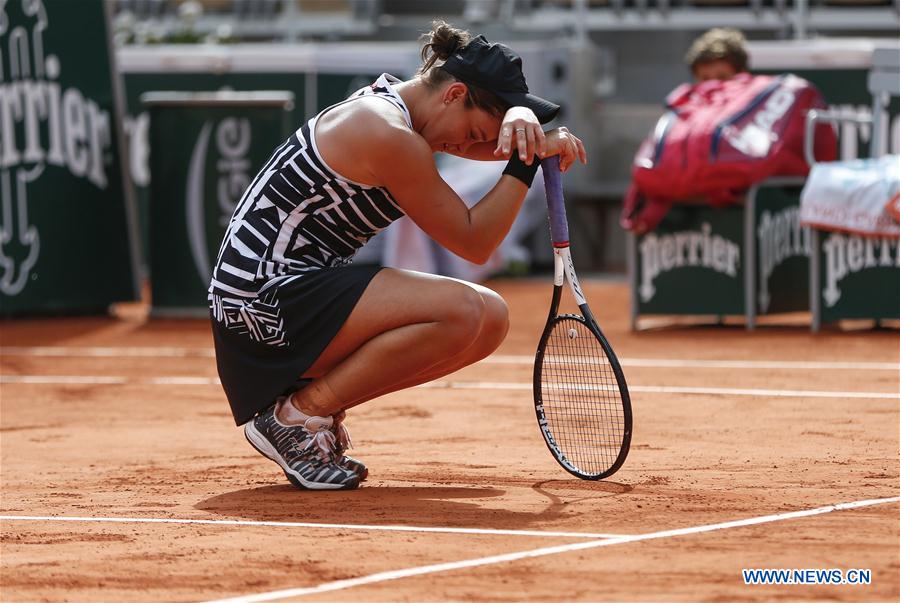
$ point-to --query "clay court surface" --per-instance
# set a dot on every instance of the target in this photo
(746, 447)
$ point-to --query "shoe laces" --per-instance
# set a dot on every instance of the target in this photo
(322, 440)
(342, 434)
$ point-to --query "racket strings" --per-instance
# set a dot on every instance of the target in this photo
(581, 397)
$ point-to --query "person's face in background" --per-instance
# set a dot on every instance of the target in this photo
(719, 69)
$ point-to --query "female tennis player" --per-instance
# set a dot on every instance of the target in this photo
(300, 334)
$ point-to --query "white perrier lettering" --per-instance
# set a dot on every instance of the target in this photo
(76, 130)
(780, 237)
(848, 254)
(662, 253)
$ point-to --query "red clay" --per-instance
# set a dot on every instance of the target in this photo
(444, 457)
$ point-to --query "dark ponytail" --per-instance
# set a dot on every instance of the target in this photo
(437, 46)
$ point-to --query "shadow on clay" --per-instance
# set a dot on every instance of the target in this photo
(428, 506)
(434, 506)
(556, 489)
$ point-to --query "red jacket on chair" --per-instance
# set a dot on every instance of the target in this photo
(718, 138)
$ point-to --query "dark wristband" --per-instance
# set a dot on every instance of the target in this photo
(518, 169)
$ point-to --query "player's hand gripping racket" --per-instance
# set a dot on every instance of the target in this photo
(580, 395)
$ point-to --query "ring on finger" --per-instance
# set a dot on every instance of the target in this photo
(520, 129)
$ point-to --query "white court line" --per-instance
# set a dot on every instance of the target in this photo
(488, 385)
(723, 364)
(64, 379)
(106, 380)
(298, 524)
(179, 352)
(553, 550)
(673, 389)
(108, 352)
(184, 381)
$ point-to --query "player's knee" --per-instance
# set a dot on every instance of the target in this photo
(496, 322)
(465, 316)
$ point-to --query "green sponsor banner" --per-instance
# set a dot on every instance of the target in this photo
(65, 242)
(859, 277)
(782, 251)
(334, 87)
(205, 151)
(691, 263)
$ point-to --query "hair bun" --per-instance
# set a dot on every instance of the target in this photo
(441, 42)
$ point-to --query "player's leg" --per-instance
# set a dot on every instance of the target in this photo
(493, 332)
(407, 328)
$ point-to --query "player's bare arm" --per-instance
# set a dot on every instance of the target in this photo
(521, 133)
(406, 168)
(393, 156)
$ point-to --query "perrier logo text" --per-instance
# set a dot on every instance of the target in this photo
(848, 254)
(40, 123)
(780, 237)
(701, 248)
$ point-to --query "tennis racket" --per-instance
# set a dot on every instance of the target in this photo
(580, 396)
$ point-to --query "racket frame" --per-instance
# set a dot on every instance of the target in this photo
(564, 271)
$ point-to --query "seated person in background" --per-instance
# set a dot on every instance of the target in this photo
(719, 54)
(722, 133)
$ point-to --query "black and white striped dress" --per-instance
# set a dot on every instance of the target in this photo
(282, 285)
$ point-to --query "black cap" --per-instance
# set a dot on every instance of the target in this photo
(496, 68)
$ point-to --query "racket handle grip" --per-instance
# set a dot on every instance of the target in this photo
(559, 227)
